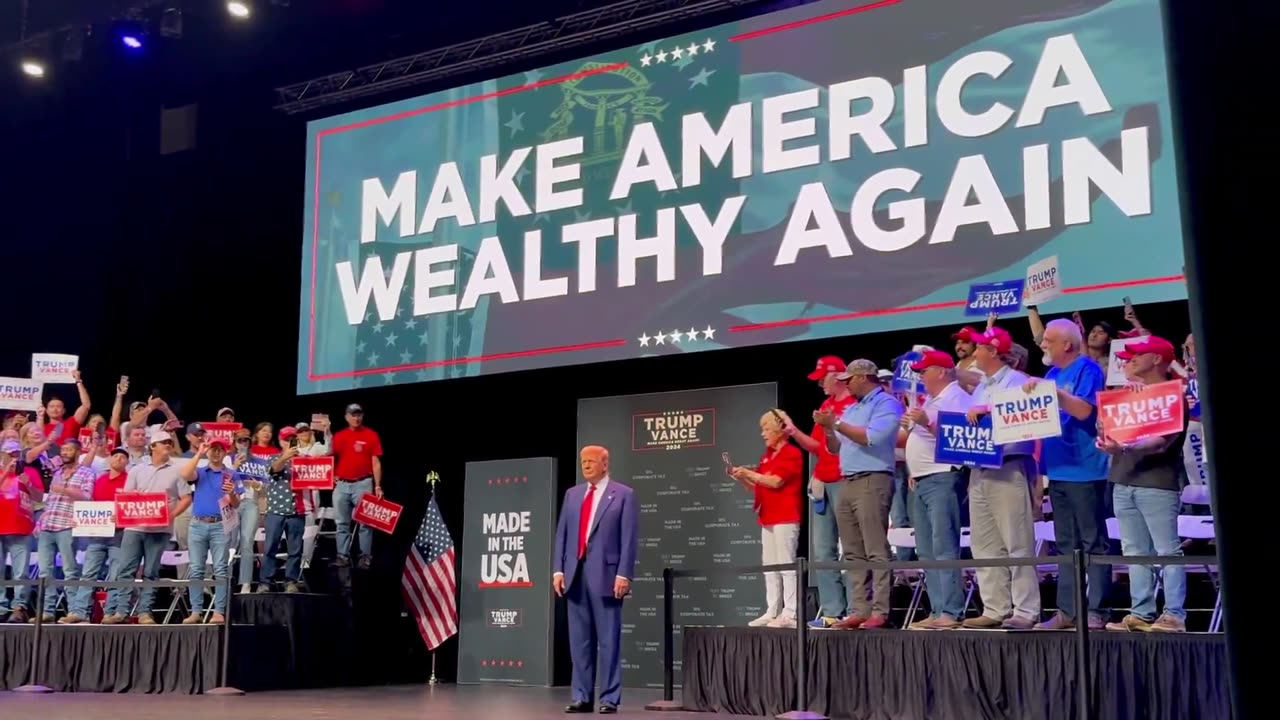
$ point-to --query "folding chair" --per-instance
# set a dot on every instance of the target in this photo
(1201, 527)
(906, 538)
(175, 559)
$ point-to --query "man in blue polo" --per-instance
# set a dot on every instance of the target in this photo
(865, 436)
(1076, 468)
(215, 487)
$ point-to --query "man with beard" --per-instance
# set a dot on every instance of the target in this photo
(1076, 468)
(964, 348)
(71, 482)
(833, 592)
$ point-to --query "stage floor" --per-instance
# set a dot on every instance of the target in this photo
(385, 703)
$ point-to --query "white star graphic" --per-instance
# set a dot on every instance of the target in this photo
(644, 340)
(377, 328)
(709, 333)
(405, 357)
(692, 334)
(516, 123)
(391, 339)
(532, 76)
(425, 337)
(692, 49)
(700, 78)
(373, 359)
(677, 52)
(661, 56)
(389, 379)
(675, 337)
(411, 323)
(359, 347)
(649, 47)
(659, 339)
(683, 62)
(709, 45)
(423, 376)
(645, 60)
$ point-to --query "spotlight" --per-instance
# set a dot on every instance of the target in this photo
(238, 10)
(33, 68)
(131, 41)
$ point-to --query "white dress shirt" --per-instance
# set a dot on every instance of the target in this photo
(922, 443)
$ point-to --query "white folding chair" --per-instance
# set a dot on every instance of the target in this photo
(1195, 495)
(1201, 527)
(176, 559)
(309, 535)
(906, 538)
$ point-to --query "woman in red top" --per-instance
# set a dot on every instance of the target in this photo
(777, 485)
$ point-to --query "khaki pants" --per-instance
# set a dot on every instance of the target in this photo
(1002, 526)
(862, 517)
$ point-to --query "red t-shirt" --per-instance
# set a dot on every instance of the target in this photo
(105, 489)
(70, 430)
(17, 507)
(827, 469)
(779, 505)
(355, 449)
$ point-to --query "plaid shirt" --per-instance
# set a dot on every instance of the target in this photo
(57, 506)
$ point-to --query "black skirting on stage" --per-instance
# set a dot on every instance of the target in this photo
(278, 641)
(956, 675)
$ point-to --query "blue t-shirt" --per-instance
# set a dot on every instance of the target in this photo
(207, 490)
(1074, 456)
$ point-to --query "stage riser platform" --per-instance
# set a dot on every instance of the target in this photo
(956, 675)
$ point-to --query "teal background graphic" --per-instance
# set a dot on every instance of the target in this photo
(1122, 39)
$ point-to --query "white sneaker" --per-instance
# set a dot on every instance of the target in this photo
(785, 620)
(245, 589)
(763, 620)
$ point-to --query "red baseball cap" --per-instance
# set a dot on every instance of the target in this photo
(933, 358)
(827, 364)
(219, 442)
(287, 431)
(1148, 344)
(997, 338)
(965, 333)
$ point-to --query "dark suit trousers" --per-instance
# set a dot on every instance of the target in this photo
(595, 625)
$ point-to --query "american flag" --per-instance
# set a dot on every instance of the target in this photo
(429, 582)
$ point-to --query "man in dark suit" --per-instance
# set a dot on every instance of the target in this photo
(595, 559)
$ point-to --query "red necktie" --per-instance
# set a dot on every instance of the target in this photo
(584, 520)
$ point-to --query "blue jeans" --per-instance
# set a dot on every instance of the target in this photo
(204, 538)
(244, 541)
(18, 548)
(346, 496)
(96, 554)
(902, 510)
(937, 500)
(1149, 526)
(824, 539)
(292, 525)
(140, 548)
(1079, 522)
(51, 543)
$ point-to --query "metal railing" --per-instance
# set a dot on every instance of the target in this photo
(42, 586)
(1078, 563)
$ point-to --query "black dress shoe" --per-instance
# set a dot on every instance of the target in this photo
(608, 709)
(578, 707)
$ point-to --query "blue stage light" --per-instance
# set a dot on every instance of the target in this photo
(131, 41)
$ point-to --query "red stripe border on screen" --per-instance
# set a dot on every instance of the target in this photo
(315, 229)
(940, 305)
(813, 20)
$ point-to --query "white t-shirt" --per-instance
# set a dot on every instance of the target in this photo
(921, 444)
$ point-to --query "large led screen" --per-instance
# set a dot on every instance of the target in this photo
(832, 169)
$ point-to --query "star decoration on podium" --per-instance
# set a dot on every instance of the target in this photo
(679, 55)
(501, 663)
(675, 337)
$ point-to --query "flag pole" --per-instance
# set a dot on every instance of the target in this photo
(432, 479)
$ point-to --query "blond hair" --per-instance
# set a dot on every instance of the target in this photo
(775, 420)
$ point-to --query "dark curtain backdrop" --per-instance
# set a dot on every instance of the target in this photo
(956, 676)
